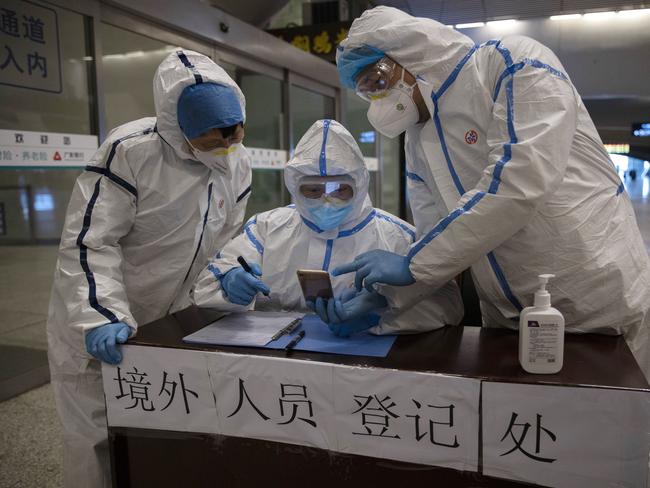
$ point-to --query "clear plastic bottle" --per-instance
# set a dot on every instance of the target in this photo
(541, 334)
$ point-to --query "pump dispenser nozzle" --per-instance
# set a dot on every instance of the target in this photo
(543, 297)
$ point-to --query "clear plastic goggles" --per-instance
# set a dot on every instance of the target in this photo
(314, 188)
(374, 82)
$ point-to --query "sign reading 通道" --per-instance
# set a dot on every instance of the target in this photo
(19, 148)
(29, 46)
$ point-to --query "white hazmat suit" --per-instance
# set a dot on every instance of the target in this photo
(282, 240)
(142, 222)
(510, 177)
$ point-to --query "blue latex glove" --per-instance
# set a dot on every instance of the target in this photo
(378, 267)
(349, 306)
(102, 341)
(241, 287)
(349, 327)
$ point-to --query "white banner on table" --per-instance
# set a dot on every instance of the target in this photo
(564, 436)
(277, 399)
(160, 388)
(415, 417)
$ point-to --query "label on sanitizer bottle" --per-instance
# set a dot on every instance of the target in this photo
(543, 338)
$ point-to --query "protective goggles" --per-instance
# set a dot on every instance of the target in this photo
(374, 82)
(317, 187)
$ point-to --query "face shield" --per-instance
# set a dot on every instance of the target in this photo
(326, 199)
(321, 189)
(373, 82)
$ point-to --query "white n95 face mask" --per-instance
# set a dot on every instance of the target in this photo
(395, 112)
(220, 159)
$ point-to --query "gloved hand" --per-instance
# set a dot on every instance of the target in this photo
(349, 327)
(350, 305)
(241, 287)
(102, 341)
(378, 267)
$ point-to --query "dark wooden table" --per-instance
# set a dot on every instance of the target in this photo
(143, 457)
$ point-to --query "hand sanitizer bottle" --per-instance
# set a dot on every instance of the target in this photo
(541, 334)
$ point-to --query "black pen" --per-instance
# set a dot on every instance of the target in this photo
(295, 341)
(293, 325)
(247, 268)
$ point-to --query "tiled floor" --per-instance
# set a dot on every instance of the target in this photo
(30, 446)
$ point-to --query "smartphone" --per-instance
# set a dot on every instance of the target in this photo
(315, 283)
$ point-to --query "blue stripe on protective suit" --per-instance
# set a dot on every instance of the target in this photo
(205, 221)
(106, 171)
(443, 224)
(343, 233)
(188, 64)
(402, 226)
(413, 176)
(359, 226)
(251, 237)
(83, 249)
(243, 194)
(512, 69)
(215, 271)
(328, 254)
(509, 72)
(322, 162)
(83, 258)
(502, 280)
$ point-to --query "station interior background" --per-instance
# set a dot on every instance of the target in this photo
(108, 52)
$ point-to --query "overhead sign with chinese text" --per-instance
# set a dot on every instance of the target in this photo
(318, 39)
(29, 46)
(20, 148)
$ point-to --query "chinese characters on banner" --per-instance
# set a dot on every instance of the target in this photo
(20, 148)
(169, 389)
(320, 40)
(550, 435)
(566, 437)
(29, 46)
(414, 417)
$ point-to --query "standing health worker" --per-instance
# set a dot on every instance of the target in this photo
(159, 198)
(506, 174)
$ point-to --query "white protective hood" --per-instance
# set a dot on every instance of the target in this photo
(427, 49)
(179, 70)
(328, 149)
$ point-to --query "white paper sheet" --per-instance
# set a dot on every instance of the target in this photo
(160, 388)
(253, 329)
(583, 437)
(383, 413)
(278, 399)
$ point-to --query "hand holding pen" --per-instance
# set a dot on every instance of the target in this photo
(242, 284)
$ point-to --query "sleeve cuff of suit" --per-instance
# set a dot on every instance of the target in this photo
(402, 297)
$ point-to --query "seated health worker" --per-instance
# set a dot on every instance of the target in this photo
(332, 220)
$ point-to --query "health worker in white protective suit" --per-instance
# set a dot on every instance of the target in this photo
(332, 219)
(506, 174)
(159, 198)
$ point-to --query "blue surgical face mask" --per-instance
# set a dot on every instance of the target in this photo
(328, 216)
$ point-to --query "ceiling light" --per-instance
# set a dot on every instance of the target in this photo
(566, 17)
(502, 23)
(629, 14)
(600, 15)
(470, 25)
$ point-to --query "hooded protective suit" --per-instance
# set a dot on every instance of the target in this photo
(510, 177)
(283, 240)
(142, 222)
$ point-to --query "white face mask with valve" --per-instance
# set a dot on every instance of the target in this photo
(220, 159)
(396, 111)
